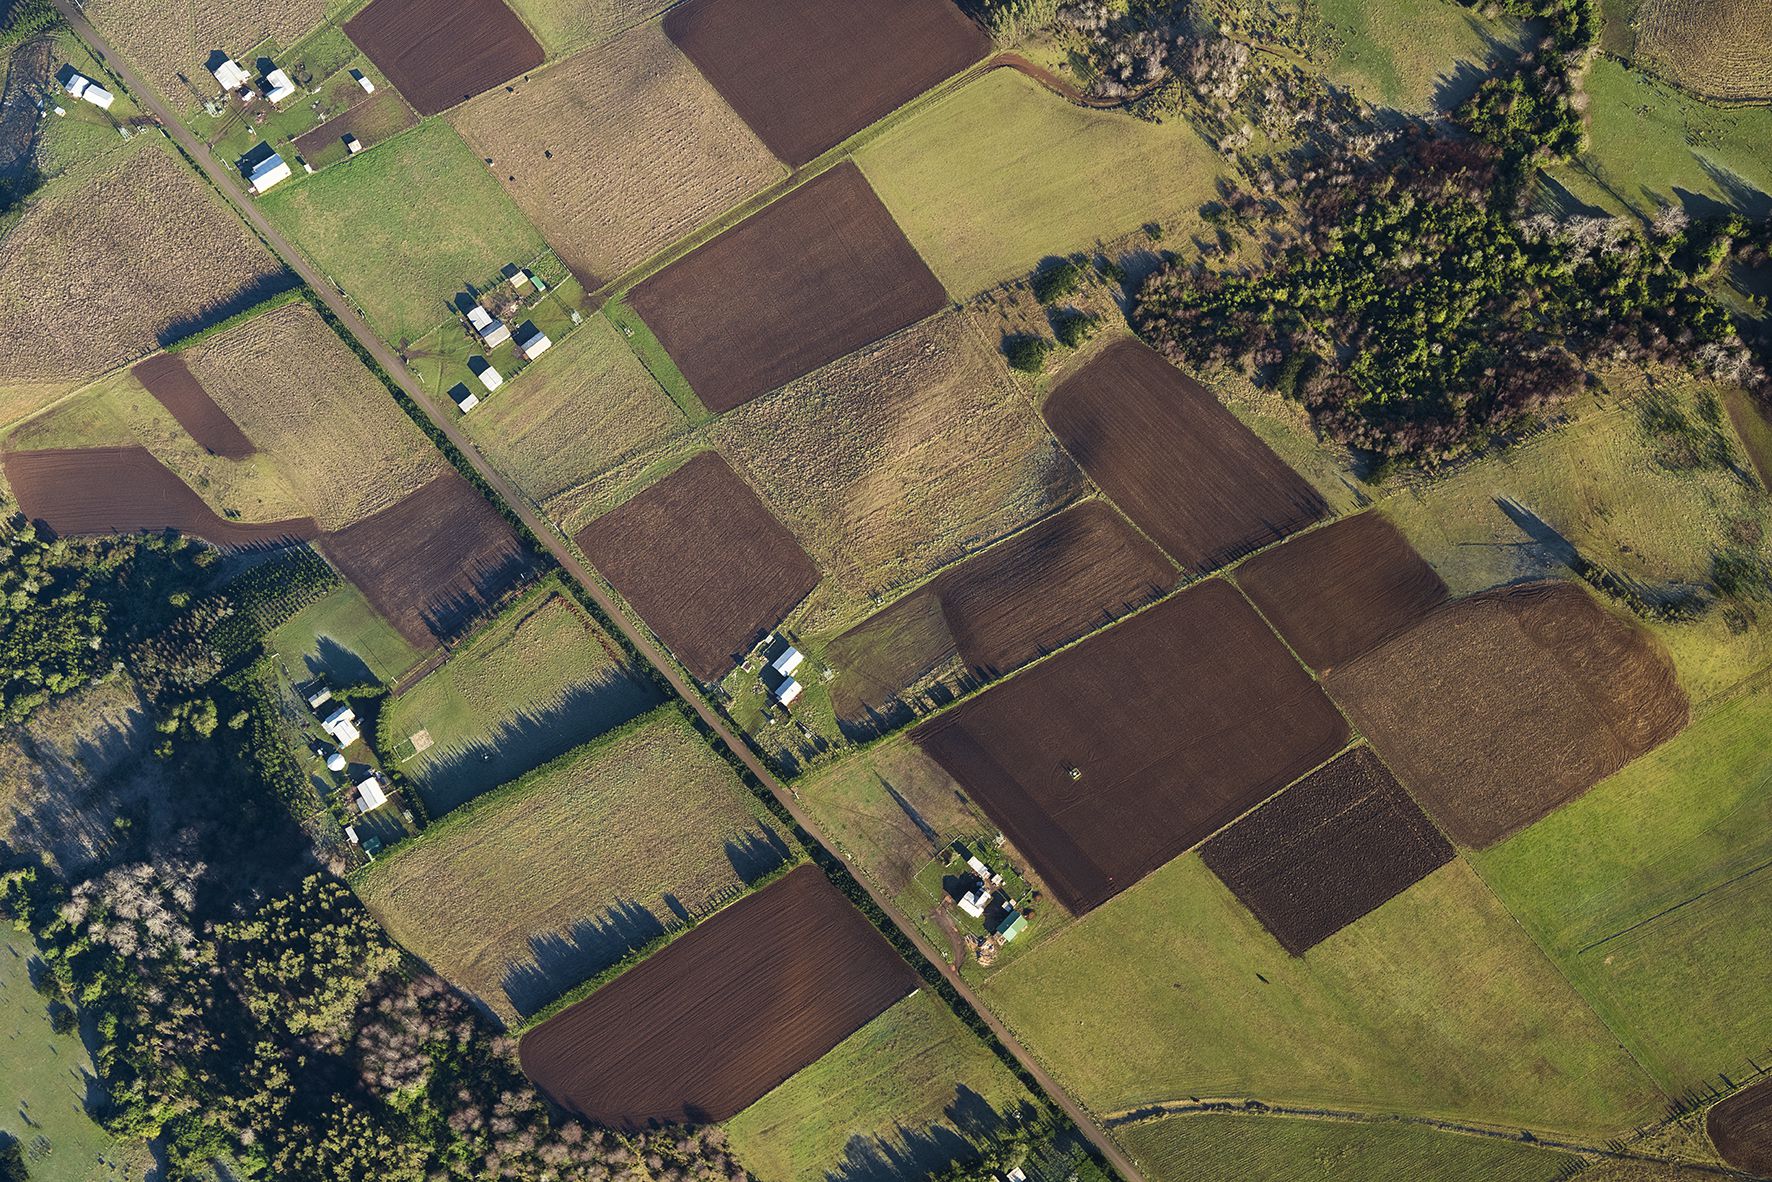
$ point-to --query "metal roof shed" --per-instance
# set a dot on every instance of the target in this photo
(789, 661)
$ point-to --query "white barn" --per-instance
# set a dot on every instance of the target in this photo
(267, 173)
(278, 86)
(535, 346)
(230, 75)
(491, 330)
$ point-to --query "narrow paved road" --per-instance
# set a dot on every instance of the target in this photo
(228, 181)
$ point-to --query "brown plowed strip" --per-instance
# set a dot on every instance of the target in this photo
(175, 387)
(1496, 709)
(804, 281)
(1741, 1129)
(1182, 467)
(433, 562)
(1116, 755)
(440, 52)
(1342, 590)
(704, 1027)
(120, 490)
(1331, 848)
(703, 562)
(808, 74)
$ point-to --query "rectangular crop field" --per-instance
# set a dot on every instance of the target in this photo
(540, 681)
(529, 890)
(703, 562)
(1111, 758)
(1002, 173)
(808, 74)
(170, 381)
(901, 458)
(811, 277)
(617, 152)
(1741, 1129)
(404, 227)
(1336, 845)
(116, 260)
(1182, 466)
(995, 612)
(1342, 590)
(702, 1029)
(433, 562)
(439, 52)
(1499, 708)
(381, 116)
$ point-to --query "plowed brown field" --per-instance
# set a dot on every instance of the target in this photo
(1339, 591)
(1498, 708)
(703, 562)
(1327, 850)
(433, 562)
(440, 52)
(808, 74)
(1741, 1129)
(1180, 464)
(1111, 758)
(172, 384)
(1000, 609)
(706, 1026)
(806, 280)
(118, 490)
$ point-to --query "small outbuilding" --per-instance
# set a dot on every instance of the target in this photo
(267, 172)
(788, 692)
(230, 75)
(490, 329)
(1013, 924)
(319, 698)
(278, 86)
(974, 901)
(788, 661)
(363, 81)
(353, 145)
(341, 724)
(491, 379)
(370, 795)
(82, 87)
(535, 345)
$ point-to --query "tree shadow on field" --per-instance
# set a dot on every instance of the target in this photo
(756, 853)
(562, 960)
(249, 296)
(335, 664)
(910, 1153)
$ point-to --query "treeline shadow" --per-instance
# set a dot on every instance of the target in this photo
(560, 960)
(531, 738)
(907, 1153)
(248, 296)
(450, 613)
(756, 853)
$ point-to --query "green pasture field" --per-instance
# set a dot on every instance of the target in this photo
(528, 890)
(1216, 1147)
(894, 1090)
(658, 363)
(1648, 138)
(441, 359)
(583, 406)
(1754, 425)
(1436, 1004)
(343, 639)
(1651, 892)
(564, 25)
(1002, 173)
(85, 132)
(1416, 55)
(534, 684)
(402, 227)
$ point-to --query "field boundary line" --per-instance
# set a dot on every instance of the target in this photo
(1666, 911)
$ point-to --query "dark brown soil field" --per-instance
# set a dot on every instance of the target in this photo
(804, 281)
(439, 52)
(707, 1025)
(1194, 478)
(1043, 588)
(1111, 758)
(120, 490)
(1496, 709)
(1741, 1129)
(378, 117)
(176, 388)
(808, 74)
(433, 562)
(703, 562)
(1327, 850)
(1342, 590)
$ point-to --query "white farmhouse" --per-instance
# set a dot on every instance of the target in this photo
(491, 329)
(535, 346)
(230, 75)
(370, 795)
(278, 86)
(341, 724)
(789, 661)
(82, 87)
(974, 901)
(266, 173)
(491, 379)
(787, 692)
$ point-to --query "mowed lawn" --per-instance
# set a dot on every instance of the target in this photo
(1652, 893)
(1003, 173)
(1435, 1004)
(1212, 1147)
(343, 640)
(577, 411)
(404, 226)
(1416, 55)
(527, 891)
(540, 681)
(891, 1092)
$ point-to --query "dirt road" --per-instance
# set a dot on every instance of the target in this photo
(229, 183)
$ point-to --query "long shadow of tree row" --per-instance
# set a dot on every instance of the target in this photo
(908, 1153)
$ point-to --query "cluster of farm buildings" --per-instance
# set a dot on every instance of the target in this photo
(490, 332)
(276, 87)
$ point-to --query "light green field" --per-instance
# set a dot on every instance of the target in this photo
(892, 1090)
(1653, 893)
(344, 640)
(529, 890)
(1214, 1147)
(1648, 138)
(404, 227)
(583, 406)
(1436, 1004)
(1003, 173)
(1405, 53)
(564, 25)
(540, 681)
